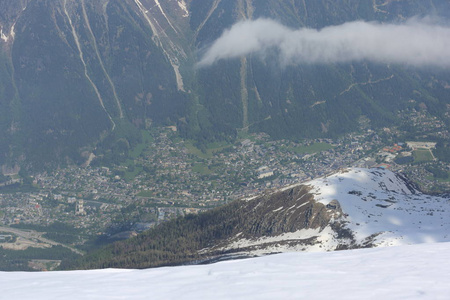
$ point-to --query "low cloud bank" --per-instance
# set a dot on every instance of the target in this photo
(415, 42)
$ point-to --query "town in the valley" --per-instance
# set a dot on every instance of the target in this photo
(167, 177)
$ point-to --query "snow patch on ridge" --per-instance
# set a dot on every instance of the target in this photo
(2, 35)
(325, 238)
(380, 202)
(183, 6)
(12, 32)
(379, 208)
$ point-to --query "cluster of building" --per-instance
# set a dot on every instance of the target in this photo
(174, 178)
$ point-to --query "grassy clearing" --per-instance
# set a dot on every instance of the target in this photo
(147, 194)
(129, 176)
(441, 180)
(314, 148)
(146, 139)
(134, 154)
(243, 135)
(18, 188)
(195, 151)
(444, 180)
(422, 156)
(201, 169)
(137, 150)
(212, 148)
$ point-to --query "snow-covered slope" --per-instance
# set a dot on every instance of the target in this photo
(406, 272)
(364, 208)
(380, 202)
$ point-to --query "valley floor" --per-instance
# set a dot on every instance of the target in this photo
(405, 272)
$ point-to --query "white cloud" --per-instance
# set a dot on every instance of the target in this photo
(415, 42)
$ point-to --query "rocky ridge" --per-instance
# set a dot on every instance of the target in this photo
(354, 208)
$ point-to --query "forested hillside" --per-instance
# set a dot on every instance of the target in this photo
(182, 240)
(79, 76)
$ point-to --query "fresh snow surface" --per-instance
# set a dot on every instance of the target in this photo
(385, 205)
(2, 35)
(183, 6)
(405, 272)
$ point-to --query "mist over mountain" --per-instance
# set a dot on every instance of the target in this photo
(414, 43)
(81, 77)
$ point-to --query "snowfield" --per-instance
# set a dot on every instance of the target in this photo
(380, 202)
(404, 272)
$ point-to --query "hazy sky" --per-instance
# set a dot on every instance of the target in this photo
(417, 42)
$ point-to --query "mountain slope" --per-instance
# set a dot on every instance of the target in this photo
(78, 70)
(259, 95)
(352, 209)
(408, 272)
(75, 72)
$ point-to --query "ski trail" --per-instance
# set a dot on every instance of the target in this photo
(157, 39)
(165, 16)
(211, 11)
(250, 9)
(366, 83)
(80, 52)
(105, 15)
(241, 10)
(376, 7)
(86, 20)
(255, 87)
(306, 10)
(178, 77)
(245, 8)
(244, 92)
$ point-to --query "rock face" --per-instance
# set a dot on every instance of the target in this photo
(354, 208)
(285, 219)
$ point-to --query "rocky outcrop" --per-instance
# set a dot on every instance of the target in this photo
(286, 220)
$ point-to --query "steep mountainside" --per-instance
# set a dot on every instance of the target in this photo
(355, 208)
(77, 71)
(78, 76)
(317, 99)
